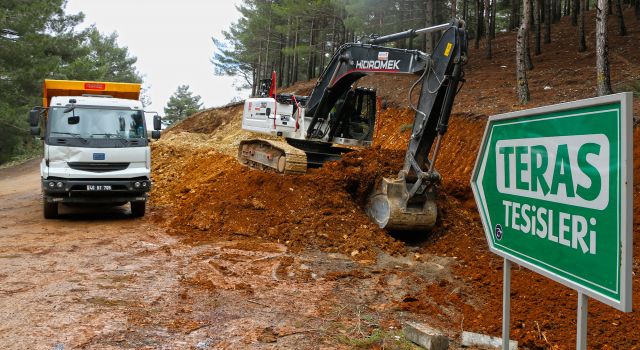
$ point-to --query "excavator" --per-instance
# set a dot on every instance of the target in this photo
(338, 116)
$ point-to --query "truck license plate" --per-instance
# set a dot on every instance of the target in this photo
(98, 187)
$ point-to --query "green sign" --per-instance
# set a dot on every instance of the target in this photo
(553, 188)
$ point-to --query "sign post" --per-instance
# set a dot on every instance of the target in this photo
(506, 303)
(553, 186)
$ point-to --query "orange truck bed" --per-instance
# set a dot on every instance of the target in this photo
(130, 91)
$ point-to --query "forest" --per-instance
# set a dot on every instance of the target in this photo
(297, 38)
(38, 41)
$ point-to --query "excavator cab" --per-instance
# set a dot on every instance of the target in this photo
(355, 112)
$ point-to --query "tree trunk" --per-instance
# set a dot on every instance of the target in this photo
(267, 66)
(582, 42)
(285, 67)
(428, 37)
(465, 10)
(602, 49)
(528, 61)
(487, 28)
(294, 68)
(522, 84)
(536, 22)
(622, 29)
(547, 21)
(310, 63)
(254, 83)
(454, 9)
(637, 9)
(493, 19)
(479, 20)
(259, 68)
(494, 7)
(513, 18)
(559, 9)
(334, 35)
(574, 12)
(281, 61)
(322, 57)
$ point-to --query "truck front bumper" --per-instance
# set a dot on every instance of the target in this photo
(95, 190)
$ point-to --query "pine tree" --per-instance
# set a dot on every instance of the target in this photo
(603, 79)
(487, 28)
(547, 21)
(522, 83)
(181, 105)
(42, 41)
(622, 29)
(537, 23)
(582, 43)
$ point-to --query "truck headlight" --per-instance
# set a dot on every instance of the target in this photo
(59, 184)
(136, 184)
(145, 184)
(52, 184)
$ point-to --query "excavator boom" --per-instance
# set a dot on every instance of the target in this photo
(337, 113)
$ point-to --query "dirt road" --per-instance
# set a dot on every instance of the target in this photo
(97, 279)
(71, 282)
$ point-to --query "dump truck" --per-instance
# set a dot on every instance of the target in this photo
(96, 146)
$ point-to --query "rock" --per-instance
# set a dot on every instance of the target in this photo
(476, 339)
(425, 336)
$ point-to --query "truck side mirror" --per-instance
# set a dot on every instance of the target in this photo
(268, 112)
(35, 131)
(157, 124)
(34, 117)
(155, 134)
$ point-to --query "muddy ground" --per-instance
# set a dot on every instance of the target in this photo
(97, 279)
(232, 258)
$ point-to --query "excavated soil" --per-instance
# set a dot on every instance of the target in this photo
(322, 209)
(203, 195)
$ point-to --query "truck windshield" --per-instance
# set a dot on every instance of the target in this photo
(97, 123)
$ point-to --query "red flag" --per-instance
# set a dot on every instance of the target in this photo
(272, 89)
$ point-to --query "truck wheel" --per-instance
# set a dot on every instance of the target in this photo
(137, 209)
(50, 210)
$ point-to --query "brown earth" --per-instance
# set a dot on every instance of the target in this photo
(97, 279)
(203, 195)
(232, 258)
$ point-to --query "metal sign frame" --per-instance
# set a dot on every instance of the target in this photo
(625, 188)
(626, 195)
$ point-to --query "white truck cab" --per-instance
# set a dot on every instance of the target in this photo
(96, 149)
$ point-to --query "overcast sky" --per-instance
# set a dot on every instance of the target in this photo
(172, 40)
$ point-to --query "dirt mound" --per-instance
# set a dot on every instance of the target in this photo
(212, 197)
(208, 120)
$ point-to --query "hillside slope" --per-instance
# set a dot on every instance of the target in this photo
(202, 194)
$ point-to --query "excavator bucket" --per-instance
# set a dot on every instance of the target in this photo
(390, 209)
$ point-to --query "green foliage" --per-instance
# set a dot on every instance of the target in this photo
(298, 37)
(47, 45)
(181, 105)
(363, 331)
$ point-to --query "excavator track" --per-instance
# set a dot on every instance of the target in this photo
(274, 155)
